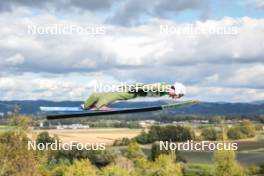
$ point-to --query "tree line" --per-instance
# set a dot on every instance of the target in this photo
(16, 159)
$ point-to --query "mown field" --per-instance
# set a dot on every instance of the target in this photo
(93, 135)
(4, 128)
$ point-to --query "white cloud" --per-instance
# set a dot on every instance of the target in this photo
(15, 60)
(222, 65)
(139, 46)
(260, 3)
(52, 87)
(214, 94)
(256, 3)
(251, 77)
(6, 84)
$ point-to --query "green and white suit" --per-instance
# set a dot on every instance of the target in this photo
(144, 90)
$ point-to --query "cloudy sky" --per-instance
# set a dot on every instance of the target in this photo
(58, 50)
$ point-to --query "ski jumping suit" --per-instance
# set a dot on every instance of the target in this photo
(144, 90)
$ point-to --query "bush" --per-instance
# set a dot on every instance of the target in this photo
(54, 168)
(166, 133)
(198, 170)
(143, 138)
(123, 163)
(156, 152)
(226, 165)
(81, 168)
(245, 129)
(261, 168)
(114, 171)
(134, 151)
(234, 134)
(96, 157)
(122, 142)
(15, 158)
(44, 138)
(164, 165)
(248, 128)
(21, 122)
(253, 170)
(209, 134)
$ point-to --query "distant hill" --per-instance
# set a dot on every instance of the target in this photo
(258, 102)
(222, 108)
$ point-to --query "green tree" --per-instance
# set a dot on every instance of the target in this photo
(81, 168)
(234, 133)
(21, 122)
(113, 170)
(167, 166)
(134, 151)
(154, 133)
(166, 133)
(143, 137)
(248, 128)
(226, 165)
(15, 158)
(209, 134)
(261, 168)
(54, 168)
(261, 118)
(245, 129)
(163, 166)
(97, 157)
(44, 138)
(156, 152)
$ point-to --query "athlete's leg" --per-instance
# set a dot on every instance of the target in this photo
(104, 100)
(91, 101)
(102, 103)
(110, 97)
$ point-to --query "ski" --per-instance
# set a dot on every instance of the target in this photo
(74, 112)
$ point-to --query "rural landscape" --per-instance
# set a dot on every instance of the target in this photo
(132, 145)
(131, 88)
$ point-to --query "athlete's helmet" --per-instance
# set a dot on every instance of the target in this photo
(179, 89)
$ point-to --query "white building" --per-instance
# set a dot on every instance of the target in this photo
(72, 126)
(144, 123)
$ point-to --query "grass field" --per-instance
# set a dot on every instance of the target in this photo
(4, 128)
(246, 158)
(94, 135)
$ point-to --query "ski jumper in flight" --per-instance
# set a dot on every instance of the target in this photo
(100, 101)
